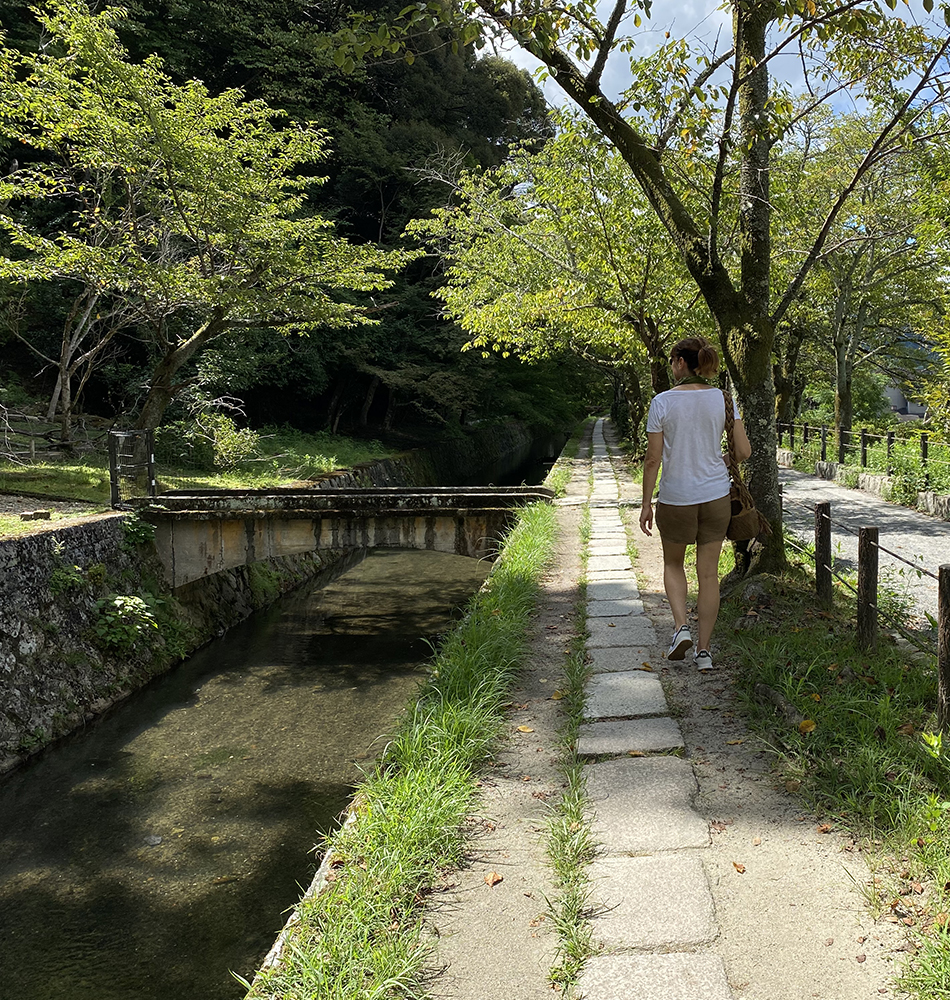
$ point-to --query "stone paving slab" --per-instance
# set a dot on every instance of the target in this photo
(611, 576)
(658, 902)
(631, 692)
(612, 590)
(634, 630)
(614, 609)
(608, 659)
(677, 976)
(617, 548)
(643, 805)
(617, 736)
(598, 564)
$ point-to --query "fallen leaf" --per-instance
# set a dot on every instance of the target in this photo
(792, 785)
(525, 729)
(611, 624)
(907, 729)
(806, 726)
(557, 696)
(816, 697)
(493, 879)
(942, 921)
(739, 868)
(733, 743)
(917, 887)
(824, 828)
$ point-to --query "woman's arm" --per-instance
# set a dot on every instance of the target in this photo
(651, 468)
(743, 447)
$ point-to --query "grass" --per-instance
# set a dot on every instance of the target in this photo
(571, 845)
(285, 455)
(361, 935)
(866, 752)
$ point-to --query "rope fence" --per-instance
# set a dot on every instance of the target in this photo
(869, 610)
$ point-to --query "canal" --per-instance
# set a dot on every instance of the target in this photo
(155, 852)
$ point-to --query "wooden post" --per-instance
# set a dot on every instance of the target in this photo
(114, 490)
(781, 433)
(804, 435)
(791, 436)
(943, 646)
(867, 587)
(823, 582)
(864, 448)
(890, 448)
(924, 455)
(824, 442)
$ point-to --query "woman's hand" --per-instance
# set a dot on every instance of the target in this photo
(646, 517)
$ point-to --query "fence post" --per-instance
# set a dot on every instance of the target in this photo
(824, 442)
(888, 468)
(867, 587)
(781, 433)
(804, 435)
(114, 468)
(943, 646)
(924, 455)
(791, 436)
(823, 583)
(864, 448)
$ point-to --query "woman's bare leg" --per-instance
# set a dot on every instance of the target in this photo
(707, 605)
(674, 579)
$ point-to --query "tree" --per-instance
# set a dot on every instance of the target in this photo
(873, 285)
(187, 210)
(556, 250)
(721, 110)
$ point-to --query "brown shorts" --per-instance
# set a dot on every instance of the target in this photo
(696, 522)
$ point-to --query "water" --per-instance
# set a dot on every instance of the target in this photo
(151, 854)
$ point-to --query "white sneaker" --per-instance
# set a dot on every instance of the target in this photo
(682, 641)
(703, 660)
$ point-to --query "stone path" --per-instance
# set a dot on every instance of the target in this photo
(654, 914)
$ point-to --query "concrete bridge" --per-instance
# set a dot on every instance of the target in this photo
(201, 532)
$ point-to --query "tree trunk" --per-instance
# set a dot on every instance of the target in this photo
(788, 384)
(163, 389)
(390, 410)
(368, 401)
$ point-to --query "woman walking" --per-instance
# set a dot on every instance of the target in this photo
(684, 435)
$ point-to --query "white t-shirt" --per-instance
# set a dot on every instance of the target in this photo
(692, 422)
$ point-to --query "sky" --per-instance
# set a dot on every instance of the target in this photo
(704, 21)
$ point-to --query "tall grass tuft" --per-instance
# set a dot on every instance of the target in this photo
(361, 935)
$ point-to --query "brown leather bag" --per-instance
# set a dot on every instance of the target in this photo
(746, 522)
